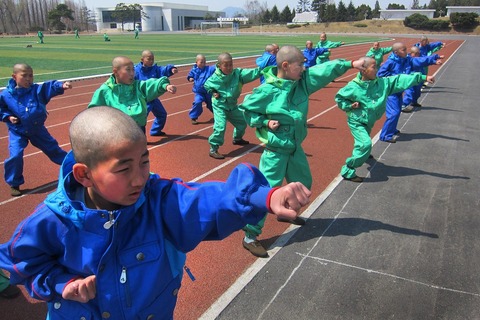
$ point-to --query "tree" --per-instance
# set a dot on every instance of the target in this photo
(364, 12)
(285, 15)
(376, 10)
(86, 16)
(267, 16)
(303, 6)
(58, 14)
(275, 14)
(122, 13)
(416, 4)
(464, 20)
(137, 13)
(342, 14)
(351, 11)
(395, 6)
(254, 10)
(330, 14)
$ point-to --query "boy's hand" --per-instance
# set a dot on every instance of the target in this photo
(171, 88)
(343, 43)
(216, 95)
(442, 56)
(81, 290)
(430, 79)
(174, 70)
(355, 105)
(273, 124)
(329, 50)
(285, 202)
(66, 85)
(13, 119)
(190, 79)
(358, 64)
(438, 62)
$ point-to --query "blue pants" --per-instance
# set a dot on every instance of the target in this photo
(17, 143)
(156, 107)
(197, 107)
(394, 108)
(412, 94)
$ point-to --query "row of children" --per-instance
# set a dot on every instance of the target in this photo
(132, 221)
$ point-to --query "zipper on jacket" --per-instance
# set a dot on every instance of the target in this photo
(123, 280)
(187, 270)
(107, 225)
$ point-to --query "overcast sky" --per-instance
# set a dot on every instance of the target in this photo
(218, 5)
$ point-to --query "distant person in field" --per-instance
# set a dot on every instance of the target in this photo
(124, 92)
(105, 37)
(377, 53)
(225, 85)
(324, 43)
(278, 110)
(268, 58)
(136, 33)
(76, 34)
(199, 74)
(23, 106)
(311, 54)
(40, 35)
(364, 99)
(148, 69)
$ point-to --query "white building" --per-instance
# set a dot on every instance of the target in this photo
(304, 17)
(164, 16)
(453, 9)
(401, 14)
(243, 20)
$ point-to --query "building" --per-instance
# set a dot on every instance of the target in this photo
(304, 17)
(243, 20)
(453, 9)
(164, 16)
(401, 14)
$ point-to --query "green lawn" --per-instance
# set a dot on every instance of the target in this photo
(62, 57)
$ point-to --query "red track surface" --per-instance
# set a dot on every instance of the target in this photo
(184, 153)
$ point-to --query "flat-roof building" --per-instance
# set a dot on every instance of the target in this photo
(452, 9)
(401, 14)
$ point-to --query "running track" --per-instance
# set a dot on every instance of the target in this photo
(184, 153)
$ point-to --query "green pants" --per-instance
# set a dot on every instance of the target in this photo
(4, 281)
(322, 60)
(361, 148)
(221, 116)
(277, 166)
(41, 39)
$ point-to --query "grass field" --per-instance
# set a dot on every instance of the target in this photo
(62, 57)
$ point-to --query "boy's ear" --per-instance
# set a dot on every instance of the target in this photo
(82, 174)
(284, 65)
(14, 76)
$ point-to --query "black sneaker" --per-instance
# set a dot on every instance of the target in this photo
(240, 142)
(10, 292)
(216, 155)
(297, 221)
(158, 134)
(256, 249)
(15, 191)
(194, 121)
(354, 179)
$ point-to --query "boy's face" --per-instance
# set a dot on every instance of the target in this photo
(423, 43)
(226, 66)
(120, 180)
(23, 78)
(148, 60)
(376, 45)
(125, 74)
(323, 37)
(294, 70)
(370, 73)
(309, 45)
(414, 54)
(402, 52)
(201, 63)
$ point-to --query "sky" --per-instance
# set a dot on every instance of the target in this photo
(219, 5)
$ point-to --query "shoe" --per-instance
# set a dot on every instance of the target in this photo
(10, 292)
(240, 142)
(391, 140)
(158, 134)
(194, 121)
(332, 81)
(15, 191)
(256, 249)
(417, 105)
(354, 179)
(407, 109)
(297, 221)
(216, 155)
(371, 156)
(397, 132)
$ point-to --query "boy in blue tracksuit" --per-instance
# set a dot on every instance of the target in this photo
(426, 47)
(23, 106)
(148, 69)
(311, 54)
(412, 94)
(268, 58)
(199, 74)
(397, 63)
(110, 242)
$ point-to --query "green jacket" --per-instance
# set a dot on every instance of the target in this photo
(229, 86)
(372, 95)
(378, 54)
(326, 44)
(131, 99)
(287, 102)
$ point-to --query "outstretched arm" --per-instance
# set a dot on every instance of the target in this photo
(286, 202)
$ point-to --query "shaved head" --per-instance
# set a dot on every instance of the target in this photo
(96, 130)
(367, 61)
(414, 49)
(289, 54)
(397, 46)
(20, 67)
(423, 38)
(269, 48)
(224, 57)
(200, 57)
(120, 61)
(146, 53)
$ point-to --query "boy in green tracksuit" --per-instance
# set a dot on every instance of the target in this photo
(40, 36)
(365, 99)
(226, 86)
(377, 53)
(123, 92)
(278, 110)
(324, 43)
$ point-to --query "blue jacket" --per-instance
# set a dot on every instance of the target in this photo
(266, 60)
(429, 47)
(145, 73)
(29, 105)
(425, 62)
(137, 252)
(199, 77)
(396, 65)
(311, 56)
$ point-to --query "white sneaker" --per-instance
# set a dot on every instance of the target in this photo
(407, 109)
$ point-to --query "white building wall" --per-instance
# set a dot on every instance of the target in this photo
(452, 9)
(401, 14)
